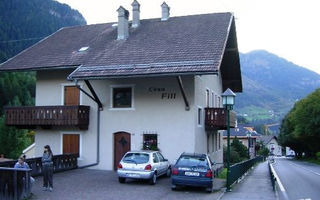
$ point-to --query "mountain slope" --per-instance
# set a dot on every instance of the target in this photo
(25, 22)
(271, 85)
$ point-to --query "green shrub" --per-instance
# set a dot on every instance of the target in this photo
(318, 155)
(263, 152)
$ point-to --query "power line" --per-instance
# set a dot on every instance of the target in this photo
(21, 40)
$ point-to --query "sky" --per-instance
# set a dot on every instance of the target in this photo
(287, 28)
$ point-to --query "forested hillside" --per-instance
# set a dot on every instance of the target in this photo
(271, 86)
(22, 24)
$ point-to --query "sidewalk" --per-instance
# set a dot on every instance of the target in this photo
(256, 185)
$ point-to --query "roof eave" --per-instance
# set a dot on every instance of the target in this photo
(141, 75)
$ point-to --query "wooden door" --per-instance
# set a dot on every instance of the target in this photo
(71, 143)
(71, 96)
(122, 144)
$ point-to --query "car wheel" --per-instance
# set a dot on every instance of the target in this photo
(168, 172)
(173, 187)
(153, 180)
(122, 180)
(209, 189)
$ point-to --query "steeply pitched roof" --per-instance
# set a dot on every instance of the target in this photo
(242, 131)
(198, 44)
(267, 138)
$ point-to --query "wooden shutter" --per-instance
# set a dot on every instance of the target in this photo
(71, 143)
(71, 96)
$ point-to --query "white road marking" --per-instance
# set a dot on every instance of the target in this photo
(278, 179)
(305, 169)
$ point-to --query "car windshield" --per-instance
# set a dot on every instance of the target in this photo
(137, 158)
(192, 161)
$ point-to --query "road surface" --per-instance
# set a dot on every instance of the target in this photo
(298, 180)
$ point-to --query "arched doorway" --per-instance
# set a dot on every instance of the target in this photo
(122, 144)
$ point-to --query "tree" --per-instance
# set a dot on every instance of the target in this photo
(12, 141)
(240, 148)
(300, 129)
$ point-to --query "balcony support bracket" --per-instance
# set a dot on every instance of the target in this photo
(94, 95)
(187, 106)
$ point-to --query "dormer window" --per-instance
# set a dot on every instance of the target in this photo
(82, 49)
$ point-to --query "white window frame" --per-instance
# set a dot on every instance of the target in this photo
(70, 84)
(207, 96)
(71, 133)
(132, 97)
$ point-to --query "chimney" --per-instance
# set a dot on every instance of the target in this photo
(165, 11)
(123, 25)
(135, 14)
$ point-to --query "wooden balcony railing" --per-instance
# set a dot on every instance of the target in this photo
(16, 184)
(47, 116)
(216, 119)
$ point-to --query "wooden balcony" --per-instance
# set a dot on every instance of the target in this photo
(46, 117)
(216, 119)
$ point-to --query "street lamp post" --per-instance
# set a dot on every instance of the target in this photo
(249, 144)
(228, 98)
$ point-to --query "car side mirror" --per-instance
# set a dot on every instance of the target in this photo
(165, 160)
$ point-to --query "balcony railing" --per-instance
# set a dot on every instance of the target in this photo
(216, 119)
(47, 116)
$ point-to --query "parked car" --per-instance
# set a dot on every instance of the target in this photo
(143, 165)
(193, 169)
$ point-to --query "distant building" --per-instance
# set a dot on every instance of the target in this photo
(271, 142)
(246, 135)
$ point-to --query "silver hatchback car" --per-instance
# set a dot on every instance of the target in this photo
(143, 165)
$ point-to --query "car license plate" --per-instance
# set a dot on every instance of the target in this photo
(133, 175)
(192, 173)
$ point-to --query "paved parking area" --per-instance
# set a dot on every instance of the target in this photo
(104, 185)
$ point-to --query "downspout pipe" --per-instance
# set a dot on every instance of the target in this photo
(98, 129)
(98, 143)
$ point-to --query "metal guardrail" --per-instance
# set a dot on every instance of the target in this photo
(239, 169)
(272, 177)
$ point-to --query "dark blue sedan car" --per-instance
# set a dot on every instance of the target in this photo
(192, 169)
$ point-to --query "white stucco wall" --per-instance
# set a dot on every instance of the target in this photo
(273, 144)
(214, 84)
(177, 128)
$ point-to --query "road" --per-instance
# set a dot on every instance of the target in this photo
(300, 180)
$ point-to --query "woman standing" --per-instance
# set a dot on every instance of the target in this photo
(47, 168)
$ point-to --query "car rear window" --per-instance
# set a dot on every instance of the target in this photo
(137, 158)
(192, 161)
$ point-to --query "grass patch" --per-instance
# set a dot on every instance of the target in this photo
(223, 174)
(311, 160)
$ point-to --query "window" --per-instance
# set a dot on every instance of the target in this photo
(208, 143)
(213, 100)
(71, 144)
(122, 97)
(71, 96)
(150, 141)
(155, 158)
(207, 97)
(219, 141)
(199, 116)
(216, 142)
(219, 102)
(160, 156)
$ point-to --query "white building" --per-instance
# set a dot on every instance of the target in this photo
(271, 142)
(103, 89)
